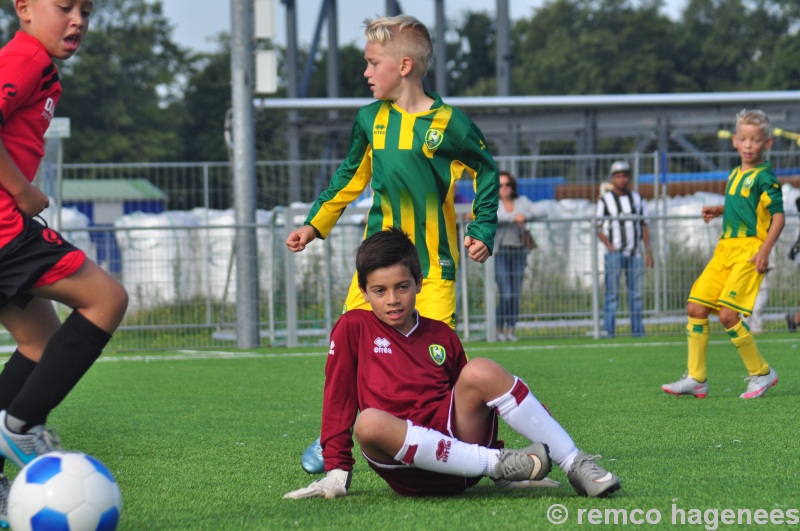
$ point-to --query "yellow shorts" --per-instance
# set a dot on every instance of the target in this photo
(437, 300)
(730, 279)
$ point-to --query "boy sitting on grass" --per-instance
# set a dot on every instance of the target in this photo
(428, 416)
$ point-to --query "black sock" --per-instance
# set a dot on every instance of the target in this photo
(66, 358)
(13, 376)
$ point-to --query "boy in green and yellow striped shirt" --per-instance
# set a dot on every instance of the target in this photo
(751, 224)
(411, 148)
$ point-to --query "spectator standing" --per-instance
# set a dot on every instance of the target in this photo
(623, 229)
(511, 253)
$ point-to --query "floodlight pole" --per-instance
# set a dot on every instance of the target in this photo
(244, 171)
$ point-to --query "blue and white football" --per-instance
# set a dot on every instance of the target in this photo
(68, 491)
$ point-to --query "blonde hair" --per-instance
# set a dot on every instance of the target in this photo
(403, 35)
(754, 117)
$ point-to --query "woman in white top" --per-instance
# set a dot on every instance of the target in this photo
(511, 253)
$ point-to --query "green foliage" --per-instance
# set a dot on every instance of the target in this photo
(584, 47)
(471, 58)
(121, 89)
(206, 101)
(134, 95)
(214, 443)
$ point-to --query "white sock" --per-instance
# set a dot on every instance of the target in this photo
(432, 450)
(520, 410)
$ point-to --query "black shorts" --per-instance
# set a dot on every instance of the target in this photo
(37, 256)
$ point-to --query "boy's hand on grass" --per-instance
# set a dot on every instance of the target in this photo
(333, 485)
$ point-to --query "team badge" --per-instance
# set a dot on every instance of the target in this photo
(438, 353)
(433, 138)
(748, 182)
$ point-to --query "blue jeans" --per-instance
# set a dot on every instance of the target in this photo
(509, 272)
(633, 266)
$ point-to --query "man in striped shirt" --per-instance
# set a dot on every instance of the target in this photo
(622, 228)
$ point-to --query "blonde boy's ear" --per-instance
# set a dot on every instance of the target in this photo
(406, 66)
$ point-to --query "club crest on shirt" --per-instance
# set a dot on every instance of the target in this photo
(438, 353)
(433, 138)
(748, 182)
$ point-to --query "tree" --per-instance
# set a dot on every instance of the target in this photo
(471, 57)
(594, 47)
(121, 89)
(206, 100)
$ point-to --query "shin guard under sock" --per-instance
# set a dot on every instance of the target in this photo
(697, 339)
(432, 450)
(14, 375)
(66, 358)
(520, 409)
(744, 342)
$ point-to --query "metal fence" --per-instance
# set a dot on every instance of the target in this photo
(180, 271)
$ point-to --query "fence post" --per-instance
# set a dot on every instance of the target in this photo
(595, 278)
(291, 288)
(489, 300)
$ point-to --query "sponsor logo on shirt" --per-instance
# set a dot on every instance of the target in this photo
(433, 138)
(330, 350)
(382, 346)
(49, 109)
(379, 129)
(438, 353)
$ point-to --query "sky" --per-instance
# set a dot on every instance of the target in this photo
(196, 22)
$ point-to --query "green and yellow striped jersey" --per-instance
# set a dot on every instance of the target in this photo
(751, 198)
(412, 162)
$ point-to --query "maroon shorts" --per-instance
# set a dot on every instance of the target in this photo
(37, 256)
(412, 481)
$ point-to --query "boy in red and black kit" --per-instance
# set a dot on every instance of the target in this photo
(37, 265)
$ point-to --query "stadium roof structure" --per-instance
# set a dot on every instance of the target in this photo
(110, 190)
(515, 121)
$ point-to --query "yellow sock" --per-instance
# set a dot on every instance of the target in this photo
(697, 335)
(743, 340)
